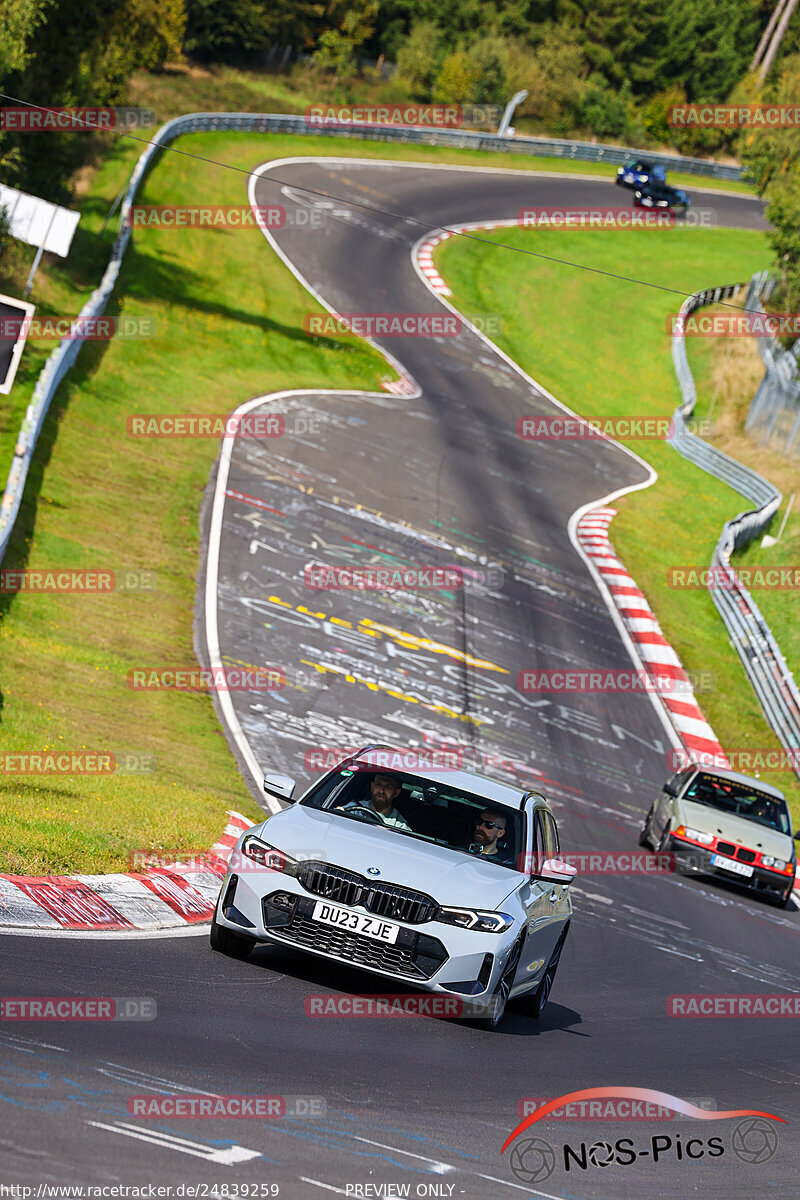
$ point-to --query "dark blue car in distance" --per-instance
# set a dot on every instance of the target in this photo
(637, 171)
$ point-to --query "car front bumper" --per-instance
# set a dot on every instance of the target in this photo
(431, 956)
(692, 859)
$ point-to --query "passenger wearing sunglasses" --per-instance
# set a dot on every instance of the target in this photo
(489, 828)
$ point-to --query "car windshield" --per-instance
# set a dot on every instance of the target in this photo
(416, 807)
(740, 799)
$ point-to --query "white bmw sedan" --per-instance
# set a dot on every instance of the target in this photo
(439, 879)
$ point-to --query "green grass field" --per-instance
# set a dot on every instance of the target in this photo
(228, 319)
(600, 346)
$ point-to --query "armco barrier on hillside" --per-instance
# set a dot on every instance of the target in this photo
(749, 633)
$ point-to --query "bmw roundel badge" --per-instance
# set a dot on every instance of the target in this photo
(373, 871)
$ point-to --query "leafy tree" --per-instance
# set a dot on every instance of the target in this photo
(420, 58)
(222, 30)
(457, 80)
(490, 59)
(772, 160)
(603, 110)
(708, 45)
(82, 55)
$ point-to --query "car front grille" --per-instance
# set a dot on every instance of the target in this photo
(413, 955)
(740, 852)
(382, 899)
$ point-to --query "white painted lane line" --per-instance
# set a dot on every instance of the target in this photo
(317, 1183)
(438, 1168)
(224, 1158)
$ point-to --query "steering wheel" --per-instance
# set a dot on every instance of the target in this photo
(369, 812)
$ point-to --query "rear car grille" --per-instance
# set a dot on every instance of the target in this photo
(382, 899)
(413, 955)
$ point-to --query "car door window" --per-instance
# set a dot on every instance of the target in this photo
(539, 843)
(552, 848)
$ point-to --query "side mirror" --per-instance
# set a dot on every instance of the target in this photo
(555, 870)
(797, 836)
(281, 786)
(670, 788)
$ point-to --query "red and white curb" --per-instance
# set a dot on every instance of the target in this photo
(163, 898)
(425, 261)
(669, 678)
(404, 386)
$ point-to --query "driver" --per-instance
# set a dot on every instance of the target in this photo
(489, 827)
(383, 791)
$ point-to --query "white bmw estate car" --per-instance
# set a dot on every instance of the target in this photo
(439, 879)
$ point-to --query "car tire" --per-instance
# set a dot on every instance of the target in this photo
(784, 901)
(542, 994)
(225, 941)
(499, 998)
(644, 832)
(665, 843)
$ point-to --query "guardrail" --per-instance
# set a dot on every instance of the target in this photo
(774, 413)
(66, 352)
(750, 634)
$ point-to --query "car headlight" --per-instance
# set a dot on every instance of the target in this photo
(475, 918)
(778, 864)
(267, 857)
(694, 835)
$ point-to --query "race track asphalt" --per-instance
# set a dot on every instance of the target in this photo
(432, 480)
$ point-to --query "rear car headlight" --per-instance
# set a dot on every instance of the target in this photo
(477, 919)
(694, 835)
(777, 864)
(269, 858)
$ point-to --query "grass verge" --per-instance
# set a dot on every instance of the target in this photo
(600, 346)
(228, 325)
